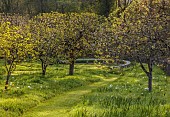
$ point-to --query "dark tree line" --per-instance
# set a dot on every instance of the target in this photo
(34, 7)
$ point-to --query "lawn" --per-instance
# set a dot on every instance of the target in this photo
(125, 95)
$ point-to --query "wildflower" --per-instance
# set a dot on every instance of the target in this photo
(116, 87)
(110, 86)
(146, 88)
(17, 87)
(29, 87)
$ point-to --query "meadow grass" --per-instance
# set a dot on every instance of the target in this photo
(29, 88)
(125, 96)
(128, 96)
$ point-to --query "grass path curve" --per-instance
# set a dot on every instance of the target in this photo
(60, 105)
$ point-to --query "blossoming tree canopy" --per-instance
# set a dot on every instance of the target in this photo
(79, 35)
(47, 35)
(15, 45)
(145, 31)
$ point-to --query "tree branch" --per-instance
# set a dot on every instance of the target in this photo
(142, 66)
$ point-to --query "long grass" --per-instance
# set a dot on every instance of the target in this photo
(29, 88)
(128, 96)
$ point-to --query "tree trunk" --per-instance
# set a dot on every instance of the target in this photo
(62, 8)
(150, 67)
(43, 67)
(150, 82)
(44, 70)
(7, 81)
(149, 72)
(118, 4)
(71, 69)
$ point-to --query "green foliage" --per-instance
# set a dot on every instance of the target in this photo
(47, 35)
(142, 33)
(15, 44)
(2, 71)
(101, 7)
(79, 37)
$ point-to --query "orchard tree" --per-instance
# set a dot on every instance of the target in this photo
(105, 44)
(78, 35)
(14, 46)
(145, 34)
(47, 33)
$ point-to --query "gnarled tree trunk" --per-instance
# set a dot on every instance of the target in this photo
(149, 81)
(7, 81)
(71, 68)
(149, 72)
(43, 67)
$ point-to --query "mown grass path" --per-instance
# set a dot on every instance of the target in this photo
(60, 105)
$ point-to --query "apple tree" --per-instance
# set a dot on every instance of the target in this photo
(15, 44)
(144, 33)
(47, 34)
(79, 34)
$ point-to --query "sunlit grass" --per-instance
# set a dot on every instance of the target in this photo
(128, 96)
(28, 87)
(123, 92)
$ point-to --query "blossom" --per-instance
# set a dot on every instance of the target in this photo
(110, 86)
(146, 88)
(29, 87)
